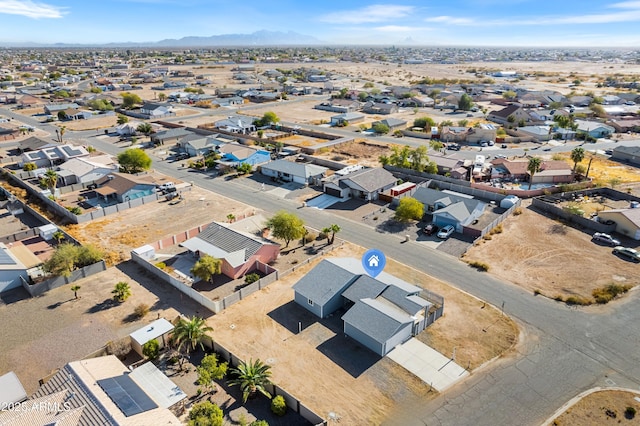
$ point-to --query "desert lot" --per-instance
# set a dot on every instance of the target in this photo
(540, 253)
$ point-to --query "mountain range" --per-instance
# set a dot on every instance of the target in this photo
(258, 38)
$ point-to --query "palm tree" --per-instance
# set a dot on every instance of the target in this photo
(252, 376)
(50, 179)
(334, 228)
(231, 217)
(533, 167)
(58, 236)
(207, 267)
(74, 289)
(122, 291)
(190, 333)
(327, 231)
(145, 128)
(162, 97)
(577, 155)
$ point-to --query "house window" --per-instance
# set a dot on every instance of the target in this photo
(310, 302)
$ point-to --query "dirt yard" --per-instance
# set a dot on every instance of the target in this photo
(603, 171)
(120, 233)
(601, 408)
(539, 253)
(363, 388)
(365, 153)
(90, 124)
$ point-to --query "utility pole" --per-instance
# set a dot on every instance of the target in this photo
(586, 176)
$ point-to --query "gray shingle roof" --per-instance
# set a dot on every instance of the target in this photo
(364, 287)
(171, 133)
(295, 169)
(230, 240)
(370, 180)
(376, 319)
(323, 282)
(409, 304)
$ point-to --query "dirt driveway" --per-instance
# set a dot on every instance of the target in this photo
(540, 253)
(332, 373)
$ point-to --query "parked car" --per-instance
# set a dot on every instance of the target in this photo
(627, 253)
(166, 186)
(430, 229)
(453, 147)
(605, 238)
(446, 232)
(503, 146)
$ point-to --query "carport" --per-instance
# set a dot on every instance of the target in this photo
(427, 364)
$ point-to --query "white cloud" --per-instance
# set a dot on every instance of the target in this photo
(400, 28)
(30, 9)
(626, 5)
(451, 20)
(373, 13)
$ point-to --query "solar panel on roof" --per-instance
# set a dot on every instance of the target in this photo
(127, 395)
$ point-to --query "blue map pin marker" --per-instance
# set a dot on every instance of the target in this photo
(373, 262)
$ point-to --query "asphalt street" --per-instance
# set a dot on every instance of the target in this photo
(563, 351)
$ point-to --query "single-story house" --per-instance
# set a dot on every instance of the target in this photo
(379, 108)
(551, 171)
(629, 154)
(451, 165)
(290, 171)
(483, 133)
(418, 101)
(392, 123)
(53, 155)
(624, 126)
(86, 169)
(240, 252)
(34, 143)
(539, 133)
(450, 208)
(514, 110)
(234, 154)
(382, 312)
(195, 144)
(171, 135)
(454, 133)
(366, 184)
(347, 118)
(152, 110)
(123, 187)
(53, 109)
(627, 221)
(236, 124)
(594, 129)
(339, 105)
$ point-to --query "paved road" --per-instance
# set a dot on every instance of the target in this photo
(564, 351)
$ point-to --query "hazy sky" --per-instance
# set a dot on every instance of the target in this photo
(447, 22)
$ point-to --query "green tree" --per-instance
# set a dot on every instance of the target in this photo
(231, 217)
(27, 167)
(189, 333)
(210, 370)
(252, 377)
(129, 100)
(122, 119)
(62, 115)
(207, 267)
(286, 226)
(58, 236)
(400, 157)
(409, 209)
(509, 95)
(100, 105)
(87, 255)
(244, 168)
(121, 291)
(598, 110)
(50, 179)
(162, 97)
(424, 122)
(465, 103)
(75, 288)
(63, 260)
(533, 167)
(145, 129)
(333, 229)
(463, 123)
(380, 128)
(134, 160)
(419, 158)
(267, 119)
(577, 155)
(95, 90)
(151, 349)
(206, 414)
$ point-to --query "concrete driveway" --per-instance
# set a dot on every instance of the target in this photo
(429, 365)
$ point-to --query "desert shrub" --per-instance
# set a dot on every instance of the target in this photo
(310, 237)
(630, 413)
(259, 423)
(251, 278)
(278, 406)
(29, 166)
(537, 292)
(517, 211)
(151, 349)
(558, 298)
(480, 266)
(161, 265)
(577, 300)
(75, 210)
(322, 235)
(487, 236)
(605, 294)
(497, 229)
(141, 310)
